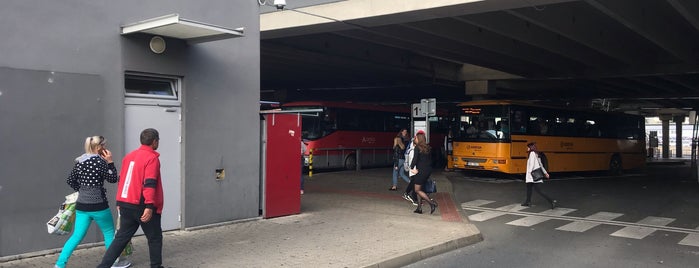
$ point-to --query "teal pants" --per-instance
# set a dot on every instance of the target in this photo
(104, 220)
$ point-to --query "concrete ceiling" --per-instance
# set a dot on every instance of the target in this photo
(630, 55)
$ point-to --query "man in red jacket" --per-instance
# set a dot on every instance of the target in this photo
(139, 200)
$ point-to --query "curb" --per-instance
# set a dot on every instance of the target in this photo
(428, 252)
(445, 185)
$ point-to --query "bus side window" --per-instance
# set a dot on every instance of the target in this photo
(518, 124)
(533, 126)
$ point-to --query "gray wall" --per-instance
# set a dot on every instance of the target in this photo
(61, 79)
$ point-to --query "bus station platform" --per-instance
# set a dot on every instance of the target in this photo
(659, 161)
(347, 219)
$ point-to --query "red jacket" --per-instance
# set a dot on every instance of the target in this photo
(140, 177)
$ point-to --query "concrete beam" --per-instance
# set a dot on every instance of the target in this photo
(689, 9)
(506, 25)
(591, 32)
(483, 87)
(453, 30)
(350, 14)
(652, 21)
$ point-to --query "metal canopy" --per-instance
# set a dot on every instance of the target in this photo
(175, 27)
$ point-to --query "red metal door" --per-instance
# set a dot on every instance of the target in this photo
(282, 165)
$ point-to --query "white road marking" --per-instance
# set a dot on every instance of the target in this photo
(515, 210)
(641, 232)
(487, 215)
(477, 203)
(533, 220)
(691, 240)
(581, 226)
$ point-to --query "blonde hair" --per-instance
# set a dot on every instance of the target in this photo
(397, 141)
(92, 143)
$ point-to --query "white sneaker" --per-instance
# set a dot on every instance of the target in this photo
(121, 264)
(410, 199)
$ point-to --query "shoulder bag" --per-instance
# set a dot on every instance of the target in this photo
(430, 186)
(538, 173)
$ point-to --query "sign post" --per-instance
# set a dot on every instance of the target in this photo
(423, 110)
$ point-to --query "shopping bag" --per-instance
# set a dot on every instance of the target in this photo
(62, 222)
(128, 250)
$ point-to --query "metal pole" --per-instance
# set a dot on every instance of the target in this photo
(310, 163)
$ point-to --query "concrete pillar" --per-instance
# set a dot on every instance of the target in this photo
(678, 134)
(666, 137)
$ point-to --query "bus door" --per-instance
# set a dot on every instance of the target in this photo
(518, 130)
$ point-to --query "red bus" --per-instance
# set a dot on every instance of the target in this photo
(345, 135)
(348, 135)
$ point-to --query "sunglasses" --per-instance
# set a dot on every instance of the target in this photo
(101, 140)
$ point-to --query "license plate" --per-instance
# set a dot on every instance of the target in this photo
(473, 164)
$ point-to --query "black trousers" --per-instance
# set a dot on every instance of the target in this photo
(130, 221)
(410, 189)
(536, 188)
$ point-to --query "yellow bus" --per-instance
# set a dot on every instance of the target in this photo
(492, 136)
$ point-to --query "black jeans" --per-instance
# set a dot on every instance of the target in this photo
(130, 221)
(410, 189)
(536, 188)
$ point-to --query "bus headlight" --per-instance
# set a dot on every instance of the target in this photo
(499, 161)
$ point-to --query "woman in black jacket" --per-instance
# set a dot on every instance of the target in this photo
(398, 159)
(421, 167)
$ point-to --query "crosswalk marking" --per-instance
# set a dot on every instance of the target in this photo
(582, 226)
(637, 230)
(487, 215)
(533, 220)
(690, 240)
(641, 232)
(476, 203)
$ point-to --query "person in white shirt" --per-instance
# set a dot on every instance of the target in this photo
(533, 162)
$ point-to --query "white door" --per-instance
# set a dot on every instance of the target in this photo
(153, 101)
(167, 121)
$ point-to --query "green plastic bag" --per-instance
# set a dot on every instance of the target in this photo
(128, 250)
(62, 223)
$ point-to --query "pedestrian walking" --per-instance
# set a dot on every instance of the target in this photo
(398, 160)
(533, 163)
(89, 173)
(140, 200)
(420, 170)
(409, 193)
(304, 146)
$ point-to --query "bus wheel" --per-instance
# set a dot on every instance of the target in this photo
(351, 162)
(615, 165)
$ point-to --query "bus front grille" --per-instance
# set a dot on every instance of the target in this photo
(473, 160)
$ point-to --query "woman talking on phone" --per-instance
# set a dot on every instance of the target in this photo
(90, 171)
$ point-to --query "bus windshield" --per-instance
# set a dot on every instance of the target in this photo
(315, 124)
(483, 123)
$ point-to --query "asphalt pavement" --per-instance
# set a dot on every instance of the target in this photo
(347, 219)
